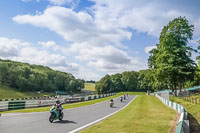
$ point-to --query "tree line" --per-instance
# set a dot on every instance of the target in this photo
(26, 77)
(170, 64)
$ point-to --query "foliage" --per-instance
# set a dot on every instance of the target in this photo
(127, 81)
(171, 61)
(25, 77)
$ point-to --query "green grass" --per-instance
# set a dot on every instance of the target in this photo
(193, 113)
(6, 93)
(134, 93)
(145, 114)
(89, 86)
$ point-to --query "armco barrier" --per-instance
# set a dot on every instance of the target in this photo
(10, 105)
(27, 98)
(3, 106)
(16, 105)
(183, 124)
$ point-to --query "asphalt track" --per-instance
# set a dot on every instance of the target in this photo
(76, 118)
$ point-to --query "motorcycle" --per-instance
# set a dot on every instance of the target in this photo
(111, 104)
(121, 99)
(55, 114)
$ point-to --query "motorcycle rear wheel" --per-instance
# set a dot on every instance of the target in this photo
(61, 116)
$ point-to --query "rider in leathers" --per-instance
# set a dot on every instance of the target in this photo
(59, 106)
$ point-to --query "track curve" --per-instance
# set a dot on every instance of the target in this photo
(73, 118)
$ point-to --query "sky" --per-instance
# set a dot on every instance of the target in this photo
(89, 38)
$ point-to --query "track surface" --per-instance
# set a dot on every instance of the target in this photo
(73, 118)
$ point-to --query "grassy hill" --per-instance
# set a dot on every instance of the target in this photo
(89, 86)
(6, 92)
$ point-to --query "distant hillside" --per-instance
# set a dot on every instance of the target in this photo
(8, 93)
(26, 77)
(89, 86)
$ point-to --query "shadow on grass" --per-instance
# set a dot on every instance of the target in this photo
(65, 122)
(194, 124)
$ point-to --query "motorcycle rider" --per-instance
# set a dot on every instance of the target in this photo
(59, 107)
(111, 102)
(121, 98)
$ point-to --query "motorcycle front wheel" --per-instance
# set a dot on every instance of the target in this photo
(52, 117)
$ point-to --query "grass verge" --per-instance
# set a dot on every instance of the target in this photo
(144, 114)
(193, 113)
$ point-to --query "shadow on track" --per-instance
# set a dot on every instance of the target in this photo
(65, 122)
(114, 107)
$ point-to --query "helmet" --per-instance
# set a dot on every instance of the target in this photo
(57, 101)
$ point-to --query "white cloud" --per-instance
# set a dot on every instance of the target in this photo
(18, 50)
(26, 1)
(10, 47)
(106, 58)
(96, 36)
(149, 48)
(47, 44)
(75, 27)
(143, 16)
(41, 57)
(79, 72)
(60, 2)
(109, 20)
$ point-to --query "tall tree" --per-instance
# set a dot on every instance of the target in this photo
(171, 60)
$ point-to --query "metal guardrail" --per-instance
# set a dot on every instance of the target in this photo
(183, 124)
(11, 105)
(27, 98)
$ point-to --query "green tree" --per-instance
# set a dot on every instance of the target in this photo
(104, 85)
(130, 80)
(117, 84)
(171, 60)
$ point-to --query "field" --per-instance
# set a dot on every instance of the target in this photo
(193, 113)
(89, 86)
(6, 93)
(144, 114)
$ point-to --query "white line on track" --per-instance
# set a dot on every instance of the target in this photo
(89, 124)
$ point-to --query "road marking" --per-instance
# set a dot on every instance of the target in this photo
(89, 124)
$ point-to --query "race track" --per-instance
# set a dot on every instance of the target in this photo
(73, 118)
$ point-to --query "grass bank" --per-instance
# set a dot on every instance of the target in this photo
(144, 114)
(8, 93)
(193, 113)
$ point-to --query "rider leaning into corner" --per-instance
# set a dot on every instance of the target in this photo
(59, 106)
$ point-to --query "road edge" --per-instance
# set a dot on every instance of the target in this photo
(89, 124)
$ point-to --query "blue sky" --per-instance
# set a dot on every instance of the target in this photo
(88, 38)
